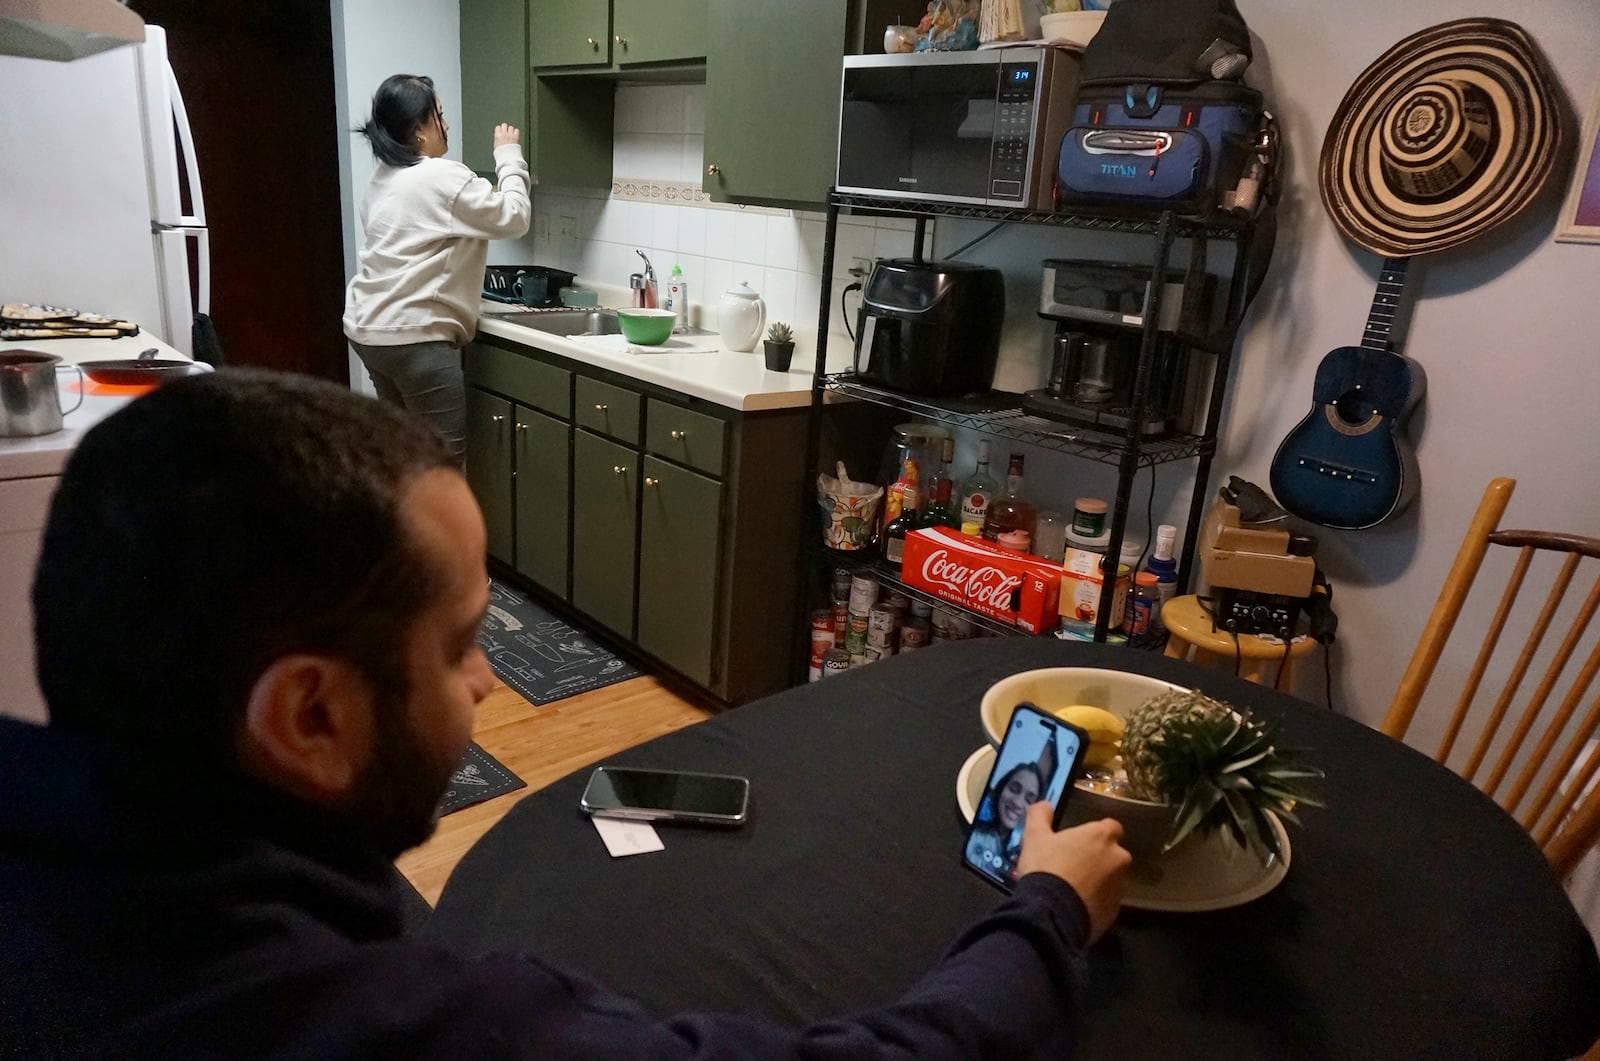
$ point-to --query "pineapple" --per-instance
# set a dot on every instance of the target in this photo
(1215, 767)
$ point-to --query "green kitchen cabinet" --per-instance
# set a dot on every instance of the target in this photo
(489, 468)
(519, 460)
(542, 455)
(657, 31)
(605, 522)
(674, 516)
(680, 522)
(494, 76)
(772, 101)
(569, 33)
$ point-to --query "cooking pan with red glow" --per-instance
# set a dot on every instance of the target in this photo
(143, 371)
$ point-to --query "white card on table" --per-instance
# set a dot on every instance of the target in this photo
(627, 838)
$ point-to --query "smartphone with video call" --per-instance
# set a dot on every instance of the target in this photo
(667, 796)
(1038, 759)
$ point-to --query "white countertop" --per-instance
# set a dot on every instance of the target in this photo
(42, 455)
(727, 377)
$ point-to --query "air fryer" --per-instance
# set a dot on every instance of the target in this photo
(930, 328)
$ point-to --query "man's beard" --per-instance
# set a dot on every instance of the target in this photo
(397, 793)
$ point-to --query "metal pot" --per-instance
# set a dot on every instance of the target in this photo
(30, 403)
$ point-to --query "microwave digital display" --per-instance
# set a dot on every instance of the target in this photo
(973, 127)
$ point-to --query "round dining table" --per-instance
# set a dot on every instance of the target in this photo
(1416, 918)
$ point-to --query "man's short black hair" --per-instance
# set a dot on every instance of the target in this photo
(212, 526)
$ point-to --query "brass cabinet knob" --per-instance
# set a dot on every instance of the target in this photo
(679, 436)
(600, 407)
(651, 482)
(594, 44)
(622, 41)
(497, 419)
(522, 427)
(712, 170)
(619, 469)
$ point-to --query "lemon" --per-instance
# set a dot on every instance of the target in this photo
(1101, 725)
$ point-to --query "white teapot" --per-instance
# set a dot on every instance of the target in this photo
(741, 315)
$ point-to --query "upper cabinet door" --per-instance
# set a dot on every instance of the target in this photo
(569, 33)
(494, 76)
(772, 100)
(657, 31)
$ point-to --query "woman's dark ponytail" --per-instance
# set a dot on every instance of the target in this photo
(403, 104)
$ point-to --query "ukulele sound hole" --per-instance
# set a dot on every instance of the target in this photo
(1353, 410)
(1351, 414)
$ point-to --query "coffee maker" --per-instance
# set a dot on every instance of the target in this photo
(1097, 312)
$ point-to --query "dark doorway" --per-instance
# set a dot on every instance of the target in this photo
(258, 83)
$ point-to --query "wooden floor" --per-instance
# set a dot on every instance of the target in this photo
(541, 745)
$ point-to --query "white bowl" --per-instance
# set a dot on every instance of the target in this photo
(1202, 873)
(1076, 26)
(1145, 825)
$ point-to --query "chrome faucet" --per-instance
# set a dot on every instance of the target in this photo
(643, 285)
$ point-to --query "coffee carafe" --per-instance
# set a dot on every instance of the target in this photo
(1092, 375)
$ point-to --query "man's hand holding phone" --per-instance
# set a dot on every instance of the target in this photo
(1087, 856)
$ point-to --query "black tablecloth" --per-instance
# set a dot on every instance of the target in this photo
(1416, 920)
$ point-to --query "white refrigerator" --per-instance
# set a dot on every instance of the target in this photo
(100, 194)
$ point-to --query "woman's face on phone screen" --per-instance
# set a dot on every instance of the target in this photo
(1021, 791)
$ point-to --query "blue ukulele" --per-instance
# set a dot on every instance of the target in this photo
(1347, 465)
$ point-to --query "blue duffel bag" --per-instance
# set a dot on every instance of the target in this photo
(1159, 147)
(1163, 118)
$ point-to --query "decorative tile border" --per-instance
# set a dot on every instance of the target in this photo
(676, 193)
(671, 193)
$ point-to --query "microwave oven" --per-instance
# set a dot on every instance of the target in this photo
(981, 127)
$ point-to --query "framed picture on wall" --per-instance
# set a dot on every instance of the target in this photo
(1580, 215)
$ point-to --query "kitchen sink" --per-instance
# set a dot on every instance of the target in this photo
(575, 322)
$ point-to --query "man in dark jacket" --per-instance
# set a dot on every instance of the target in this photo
(256, 613)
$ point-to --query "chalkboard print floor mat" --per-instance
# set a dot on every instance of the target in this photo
(479, 777)
(542, 656)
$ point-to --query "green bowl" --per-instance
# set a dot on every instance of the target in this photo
(647, 327)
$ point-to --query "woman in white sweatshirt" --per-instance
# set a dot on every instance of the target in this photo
(414, 301)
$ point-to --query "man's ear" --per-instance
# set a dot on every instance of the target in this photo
(308, 727)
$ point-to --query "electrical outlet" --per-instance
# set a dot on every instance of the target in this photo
(541, 228)
(862, 268)
(568, 227)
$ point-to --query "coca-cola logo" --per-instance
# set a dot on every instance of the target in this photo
(987, 585)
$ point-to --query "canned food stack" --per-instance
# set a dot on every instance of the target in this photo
(867, 623)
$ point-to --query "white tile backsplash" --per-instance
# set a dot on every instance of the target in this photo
(750, 239)
(659, 137)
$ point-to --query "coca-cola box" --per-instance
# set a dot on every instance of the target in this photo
(1003, 584)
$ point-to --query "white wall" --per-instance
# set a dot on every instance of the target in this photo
(371, 40)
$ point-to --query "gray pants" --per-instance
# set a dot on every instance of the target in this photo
(426, 379)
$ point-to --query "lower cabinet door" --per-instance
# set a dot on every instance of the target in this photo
(543, 450)
(605, 525)
(680, 548)
(489, 467)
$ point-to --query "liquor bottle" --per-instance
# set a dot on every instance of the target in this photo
(978, 489)
(894, 535)
(941, 511)
(894, 493)
(1011, 510)
(941, 473)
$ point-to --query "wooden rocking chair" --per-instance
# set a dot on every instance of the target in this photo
(1547, 794)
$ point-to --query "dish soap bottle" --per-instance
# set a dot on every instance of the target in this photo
(678, 298)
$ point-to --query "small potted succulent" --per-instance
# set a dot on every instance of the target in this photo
(779, 346)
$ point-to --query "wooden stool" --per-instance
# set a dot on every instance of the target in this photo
(1191, 637)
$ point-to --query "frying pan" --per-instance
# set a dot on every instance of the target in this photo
(142, 371)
